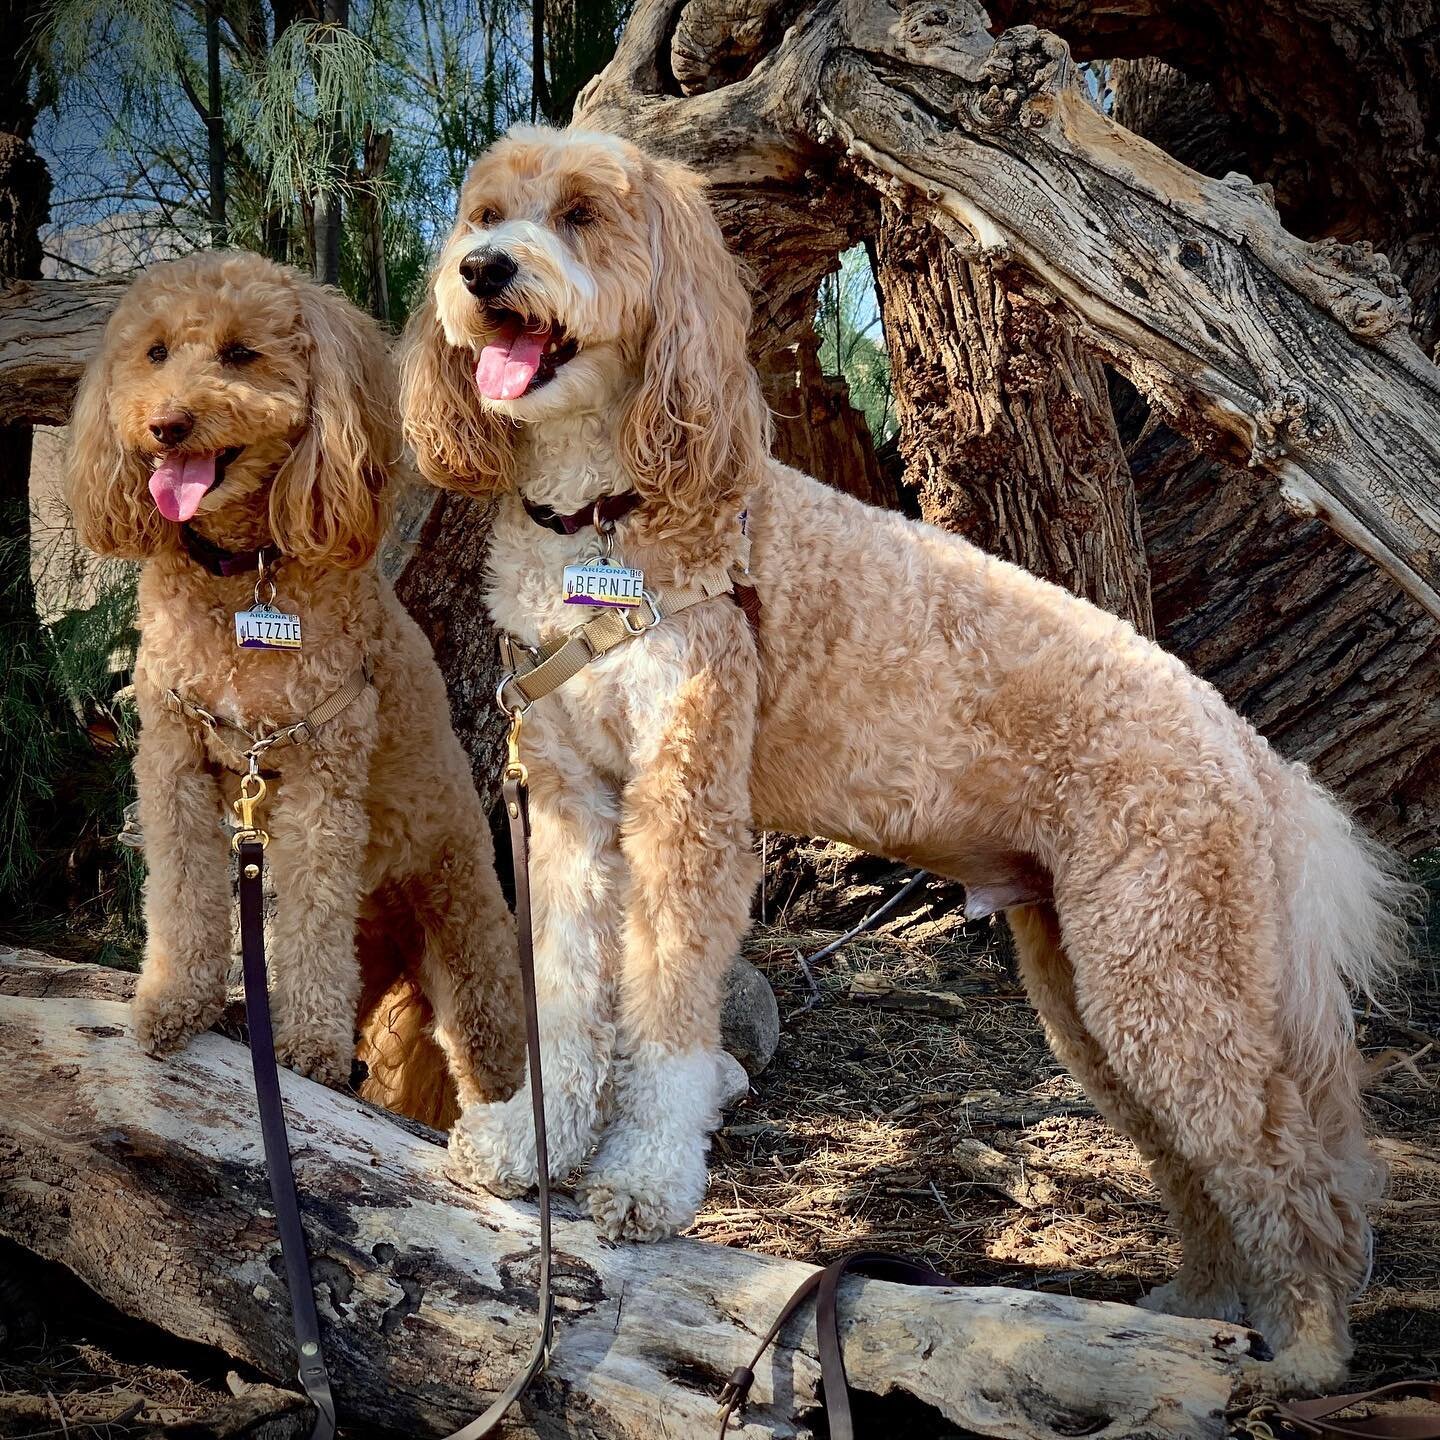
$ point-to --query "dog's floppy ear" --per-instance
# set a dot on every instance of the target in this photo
(458, 443)
(329, 501)
(696, 436)
(107, 485)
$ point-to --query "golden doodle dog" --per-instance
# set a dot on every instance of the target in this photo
(1192, 913)
(236, 408)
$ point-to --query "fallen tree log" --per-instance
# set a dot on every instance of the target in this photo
(145, 1179)
(48, 330)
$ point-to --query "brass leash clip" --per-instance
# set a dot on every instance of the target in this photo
(252, 792)
(514, 765)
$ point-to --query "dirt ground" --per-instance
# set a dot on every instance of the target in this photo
(960, 1138)
(954, 1136)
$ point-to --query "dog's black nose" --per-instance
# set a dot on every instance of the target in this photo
(170, 427)
(487, 272)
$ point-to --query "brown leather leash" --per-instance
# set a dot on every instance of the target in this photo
(824, 1287)
(1316, 1418)
(314, 1377)
(249, 844)
(1313, 1418)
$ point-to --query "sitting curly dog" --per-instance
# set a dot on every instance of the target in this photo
(1190, 910)
(236, 433)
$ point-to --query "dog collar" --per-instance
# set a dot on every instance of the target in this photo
(222, 562)
(603, 514)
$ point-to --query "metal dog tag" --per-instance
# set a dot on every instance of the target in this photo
(603, 583)
(265, 628)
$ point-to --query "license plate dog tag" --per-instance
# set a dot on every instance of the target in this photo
(603, 583)
(266, 628)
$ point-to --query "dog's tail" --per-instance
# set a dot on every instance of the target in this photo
(1350, 909)
(407, 1069)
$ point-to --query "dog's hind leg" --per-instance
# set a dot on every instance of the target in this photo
(1208, 1284)
(468, 970)
(1175, 954)
(575, 884)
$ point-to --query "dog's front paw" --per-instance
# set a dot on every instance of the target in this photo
(641, 1187)
(492, 1147)
(167, 1017)
(326, 1059)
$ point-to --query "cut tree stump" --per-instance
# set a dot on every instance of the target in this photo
(145, 1178)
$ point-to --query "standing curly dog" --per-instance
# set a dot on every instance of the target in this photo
(1191, 911)
(235, 407)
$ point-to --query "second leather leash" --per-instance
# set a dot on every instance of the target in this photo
(250, 853)
(249, 844)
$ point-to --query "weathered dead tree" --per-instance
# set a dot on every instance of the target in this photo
(48, 330)
(817, 430)
(1299, 632)
(1332, 102)
(146, 1180)
(439, 583)
(1005, 423)
(1287, 355)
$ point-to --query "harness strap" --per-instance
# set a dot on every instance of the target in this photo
(237, 738)
(313, 1375)
(536, 673)
(824, 1286)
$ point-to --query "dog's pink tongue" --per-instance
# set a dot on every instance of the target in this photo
(181, 482)
(509, 362)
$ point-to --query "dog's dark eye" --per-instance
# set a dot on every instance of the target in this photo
(237, 354)
(158, 354)
(489, 216)
(578, 216)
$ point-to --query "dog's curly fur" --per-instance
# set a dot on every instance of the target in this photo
(377, 835)
(1191, 911)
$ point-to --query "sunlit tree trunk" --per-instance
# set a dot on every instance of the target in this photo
(327, 196)
(1005, 423)
(215, 124)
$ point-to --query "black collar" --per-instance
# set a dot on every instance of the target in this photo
(220, 561)
(603, 512)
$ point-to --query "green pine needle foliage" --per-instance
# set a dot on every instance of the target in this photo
(67, 739)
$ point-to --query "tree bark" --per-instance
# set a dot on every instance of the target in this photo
(145, 1179)
(818, 430)
(1332, 102)
(48, 330)
(439, 579)
(1301, 635)
(1005, 424)
(24, 207)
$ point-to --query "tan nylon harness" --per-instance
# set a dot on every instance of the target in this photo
(534, 672)
(303, 730)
